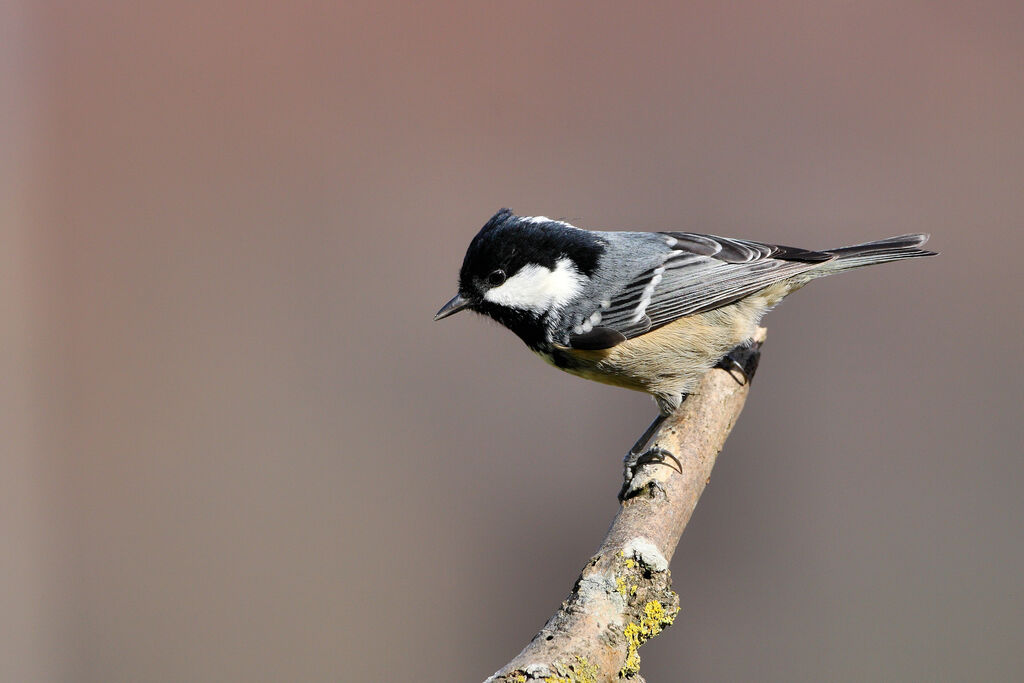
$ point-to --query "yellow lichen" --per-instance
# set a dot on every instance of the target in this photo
(654, 620)
(633, 642)
(581, 671)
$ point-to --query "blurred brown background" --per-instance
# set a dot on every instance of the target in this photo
(236, 447)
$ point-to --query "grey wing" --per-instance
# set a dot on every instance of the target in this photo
(697, 273)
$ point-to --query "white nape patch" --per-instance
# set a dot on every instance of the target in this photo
(645, 298)
(646, 553)
(545, 219)
(539, 289)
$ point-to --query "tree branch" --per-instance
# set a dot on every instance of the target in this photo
(623, 596)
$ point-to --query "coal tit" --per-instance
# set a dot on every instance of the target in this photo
(650, 311)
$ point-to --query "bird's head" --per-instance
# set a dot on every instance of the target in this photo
(519, 270)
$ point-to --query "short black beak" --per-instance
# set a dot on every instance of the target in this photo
(454, 306)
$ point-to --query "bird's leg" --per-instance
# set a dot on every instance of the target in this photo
(638, 456)
(740, 363)
(648, 434)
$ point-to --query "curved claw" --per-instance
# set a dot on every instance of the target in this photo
(734, 368)
(657, 456)
(634, 461)
(741, 362)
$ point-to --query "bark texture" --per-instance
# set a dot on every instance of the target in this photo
(623, 597)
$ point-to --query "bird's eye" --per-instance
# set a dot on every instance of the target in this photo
(496, 277)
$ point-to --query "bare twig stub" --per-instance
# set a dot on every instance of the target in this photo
(623, 596)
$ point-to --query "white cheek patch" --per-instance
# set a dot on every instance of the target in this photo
(539, 289)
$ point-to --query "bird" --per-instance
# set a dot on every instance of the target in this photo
(648, 311)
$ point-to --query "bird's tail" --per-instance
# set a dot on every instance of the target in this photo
(882, 251)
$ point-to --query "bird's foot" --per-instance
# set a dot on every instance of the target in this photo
(632, 463)
(741, 362)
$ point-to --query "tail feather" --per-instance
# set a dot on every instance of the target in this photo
(882, 251)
